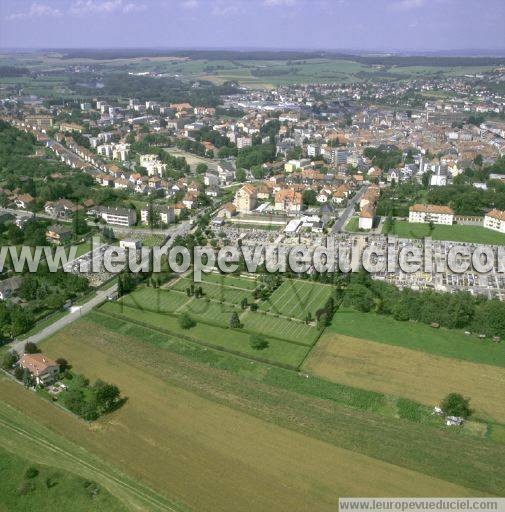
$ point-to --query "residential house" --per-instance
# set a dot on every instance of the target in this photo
(9, 286)
(495, 220)
(245, 198)
(288, 200)
(226, 172)
(44, 370)
(24, 201)
(57, 234)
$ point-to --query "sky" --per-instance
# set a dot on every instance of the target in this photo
(383, 25)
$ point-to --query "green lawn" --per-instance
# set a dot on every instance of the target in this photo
(51, 489)
(212, 312)
(269, 325)
(456, 233)
(418, 336)
(232, 340)
(216, 291)
(352, 225)
(156, 299)
(230, 280)
(296, 298)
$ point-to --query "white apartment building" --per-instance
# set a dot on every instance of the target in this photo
(339, 156)
(153, 165)
(166, 214)
(495, 220)
(313, 150)
(425, 213)
(244, 142)
(117, 216)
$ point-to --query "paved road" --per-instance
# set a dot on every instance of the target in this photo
(75, 313)
(348, 212)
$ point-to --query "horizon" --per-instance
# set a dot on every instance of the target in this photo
(319, 25)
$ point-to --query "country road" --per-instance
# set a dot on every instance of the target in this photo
(75, 313)
(348, 212)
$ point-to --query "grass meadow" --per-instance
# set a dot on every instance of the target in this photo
(34, 433)
(418, 336)
(454, 233)
(279, 320)
(296, 298)
(390, 369)
(50, 489)
(232, 340)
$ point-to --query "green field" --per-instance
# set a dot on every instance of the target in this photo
(297, 298)
(455, 233)
(269, 325)
(352, 225)
(252, 73)
(211, 312)
(418, 336)
(51, 489)
(156, 300)
(216, 291)
(281, 317)
(245, 283)
(231, 340)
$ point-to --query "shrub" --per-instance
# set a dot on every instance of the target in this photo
(186, 322)
(455, 404)
(31, 472)
(31, 348)
(258, 342)
(9, 360)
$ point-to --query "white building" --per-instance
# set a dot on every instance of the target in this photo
(117, 216)
(495, 220)
(165, 214)
(244, 142)
(153, 165)
(425, 213)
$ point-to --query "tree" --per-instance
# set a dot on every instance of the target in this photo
(240, 175)
(309, 197)
(74, 400)
(79, 225)
(201, 168)
(31, 348)
(106, 395)
(63, 364)
(258, 342)
(153, 217)
(243, 303)
(27, 378)
(455, 404)
(186, 322)
(401, 311)
(426, 179)
(235, 321)
(9, 359)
